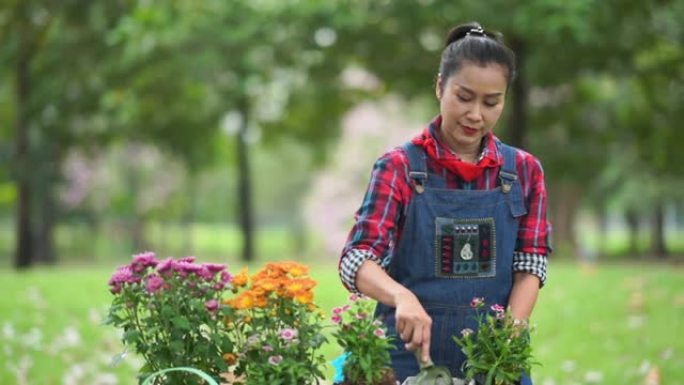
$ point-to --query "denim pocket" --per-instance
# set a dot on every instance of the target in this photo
(465, 248)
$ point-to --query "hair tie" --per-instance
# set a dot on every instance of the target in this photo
(476, 31)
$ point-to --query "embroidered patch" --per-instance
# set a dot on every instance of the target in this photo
(465, 247)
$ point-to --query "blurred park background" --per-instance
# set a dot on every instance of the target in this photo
(244, 131)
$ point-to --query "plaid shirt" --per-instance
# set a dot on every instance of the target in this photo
(380, 218)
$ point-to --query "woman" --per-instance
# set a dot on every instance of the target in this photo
(453, 214)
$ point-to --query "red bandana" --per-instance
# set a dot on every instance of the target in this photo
(445, 158)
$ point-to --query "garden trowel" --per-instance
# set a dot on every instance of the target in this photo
(430, 374)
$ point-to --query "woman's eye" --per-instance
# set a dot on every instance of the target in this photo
(463, 98)
(491, 104)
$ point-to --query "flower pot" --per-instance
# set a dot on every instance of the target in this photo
(388, 379)
(455, 381)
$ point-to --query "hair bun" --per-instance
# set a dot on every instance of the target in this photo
(460, 31)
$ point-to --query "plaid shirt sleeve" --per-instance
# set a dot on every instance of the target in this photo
(379, 218)
(531, 263)
(534, 228)
(533, 246)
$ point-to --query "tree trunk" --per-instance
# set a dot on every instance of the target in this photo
(46, 177)
(603, 227)
(517, 120)
(44, 245)
(564, 200)
(245, 187)
(632, 219)
(658, 247)
(23, 257)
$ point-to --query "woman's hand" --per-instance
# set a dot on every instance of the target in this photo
(413, 324)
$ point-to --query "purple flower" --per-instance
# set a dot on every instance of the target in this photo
(379, 332)
(336, 318)
(226, 277)
(154, 283)
(184, 267)
(211, 305)
(190, 259)
(275, 360)
(337, 310)
(354, 297)
(143, 260)
(477, 302)
(497, 308)
(214, 267)
(467, 332)
(218, 286)
(166, 265)
(147, 258)
(121, 276)
(267, 348)
(288, 334)
(361, 315)
(205, 274)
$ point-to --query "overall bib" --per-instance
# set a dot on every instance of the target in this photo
(455, 245)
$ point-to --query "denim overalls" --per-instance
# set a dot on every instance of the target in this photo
(455, 245)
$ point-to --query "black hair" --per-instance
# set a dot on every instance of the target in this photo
(470, 43)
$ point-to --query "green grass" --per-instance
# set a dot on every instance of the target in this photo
(78, 244)
(608, 324)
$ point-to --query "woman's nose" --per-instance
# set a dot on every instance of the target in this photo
(474, 113)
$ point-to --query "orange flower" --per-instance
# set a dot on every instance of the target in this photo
(266, 284)
(260, 301)
(294, 269)
(295, 286)
(241, 278)
(304, 297)
(230, 358)
(271, 270)
(243, 301)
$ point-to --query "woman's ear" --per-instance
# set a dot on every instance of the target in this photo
(438, 87)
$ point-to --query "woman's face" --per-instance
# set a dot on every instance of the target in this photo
(471, 101)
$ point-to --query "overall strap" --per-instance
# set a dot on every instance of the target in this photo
(508, 174)
(417, 166)
(510, 185)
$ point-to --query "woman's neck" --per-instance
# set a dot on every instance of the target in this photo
(468, 155)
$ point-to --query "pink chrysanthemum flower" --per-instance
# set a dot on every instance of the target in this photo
(477, 302)
(154, 283)
(288, 334)
(211, 305)
(275, 360)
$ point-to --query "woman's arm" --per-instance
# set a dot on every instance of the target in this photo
(413, 324)
(530, 257)
(524, 295)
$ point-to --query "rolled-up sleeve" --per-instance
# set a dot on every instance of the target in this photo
(535, 264)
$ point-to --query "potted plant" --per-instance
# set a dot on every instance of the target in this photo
(277, 326)
(367, 349)
(170, 312)
(499, 352)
